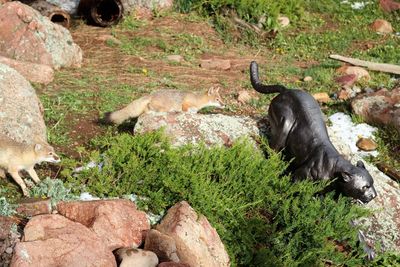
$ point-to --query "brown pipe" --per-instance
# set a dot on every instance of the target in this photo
(54, 13)
(101, 12)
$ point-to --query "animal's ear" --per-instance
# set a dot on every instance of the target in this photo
(210, 91)
(346, 176)
(38, 147)
(360, 164)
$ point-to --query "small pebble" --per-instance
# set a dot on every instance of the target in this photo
(308, 79)
(366, 144)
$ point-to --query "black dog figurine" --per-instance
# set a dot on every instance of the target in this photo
(297, 126)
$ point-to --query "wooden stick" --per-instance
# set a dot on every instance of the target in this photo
(368, 64)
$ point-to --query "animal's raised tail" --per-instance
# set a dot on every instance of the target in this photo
(262, 88)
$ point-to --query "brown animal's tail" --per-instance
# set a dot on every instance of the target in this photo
(262, 88)
(133, 110)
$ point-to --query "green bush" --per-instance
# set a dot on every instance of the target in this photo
(262, 217)
(248, 10)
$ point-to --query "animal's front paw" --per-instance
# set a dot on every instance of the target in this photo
(25, 192)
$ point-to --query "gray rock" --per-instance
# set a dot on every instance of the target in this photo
(383, 227)
(20, 115)
(130, 5)
(184, 128)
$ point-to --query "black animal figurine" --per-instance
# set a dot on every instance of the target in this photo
(297, 126)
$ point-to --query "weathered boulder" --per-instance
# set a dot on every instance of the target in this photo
(117, 222)
(26, 35)
(20, 115)
(197, 242)
(383, 227)
(53, 240)
(193, 128)
(37, 73)
(382, 107)
(162, 245)
(131, 257)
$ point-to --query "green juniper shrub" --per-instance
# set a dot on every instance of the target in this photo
(263, 218)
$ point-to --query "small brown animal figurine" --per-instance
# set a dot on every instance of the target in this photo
(166, 101)
(15, 157)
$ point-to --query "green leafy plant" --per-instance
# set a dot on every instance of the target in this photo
(6, 209)
(52, 188)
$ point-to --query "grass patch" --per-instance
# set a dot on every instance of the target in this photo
(388, 139)
(188, 45)
(262, 217)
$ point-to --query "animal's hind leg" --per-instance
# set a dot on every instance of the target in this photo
(15, 175)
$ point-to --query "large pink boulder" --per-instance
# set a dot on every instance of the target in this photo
(117, 222)
(53, 240)
(26, 35)
(197, 242)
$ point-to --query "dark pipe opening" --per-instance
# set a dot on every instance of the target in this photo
(107, 12)
(101, 12)
(60, 19)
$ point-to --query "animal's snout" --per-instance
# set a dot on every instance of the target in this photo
(56, 159)
(369, 195)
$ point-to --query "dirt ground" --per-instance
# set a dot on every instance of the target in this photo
(103, 60)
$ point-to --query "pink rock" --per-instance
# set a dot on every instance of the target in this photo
(117, 222)
(37, 73)
(52, 240)
(215, 64)
(34, 206)
(346, 80)
(360, 73)
(389, 5)
(163, 245)
(5, 226)
(28, 36)
(197, 242)
(382, 26)
(382, 107)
